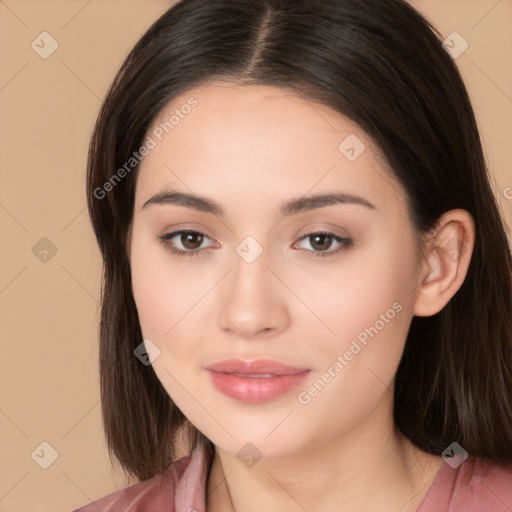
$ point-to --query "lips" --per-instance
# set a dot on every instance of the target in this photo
(255, 381)
(258, 368)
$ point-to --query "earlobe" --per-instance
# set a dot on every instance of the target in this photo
(448, 255)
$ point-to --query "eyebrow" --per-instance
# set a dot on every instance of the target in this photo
(294, 206)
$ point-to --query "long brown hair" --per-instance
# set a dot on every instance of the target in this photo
(381, 64)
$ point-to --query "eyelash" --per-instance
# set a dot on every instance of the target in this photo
(346, 243)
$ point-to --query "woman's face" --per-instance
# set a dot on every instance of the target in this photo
(259, 283)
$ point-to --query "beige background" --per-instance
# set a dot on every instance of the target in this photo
(49, 374)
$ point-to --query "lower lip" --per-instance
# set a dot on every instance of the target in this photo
(255, 389)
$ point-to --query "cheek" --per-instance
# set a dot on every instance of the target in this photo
(163, 291)
(368, 309)
(151, 291)
(165, 300)
(367, 304)
(362, 286)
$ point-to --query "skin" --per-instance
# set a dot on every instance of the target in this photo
(251, 148)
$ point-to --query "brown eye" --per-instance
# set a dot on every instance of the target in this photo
(322, 241)
(189, 240)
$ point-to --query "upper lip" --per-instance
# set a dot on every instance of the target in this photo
(257, 367)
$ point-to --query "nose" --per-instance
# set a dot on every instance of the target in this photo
(253, 301)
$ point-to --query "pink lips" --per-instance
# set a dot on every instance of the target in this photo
(255, 381)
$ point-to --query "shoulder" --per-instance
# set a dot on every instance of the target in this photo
(491, 485)
(154, 494)
(477, 485)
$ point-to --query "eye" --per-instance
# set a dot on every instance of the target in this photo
(189, 239)
(322, 240)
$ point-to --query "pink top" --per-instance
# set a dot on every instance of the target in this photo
(475, 486)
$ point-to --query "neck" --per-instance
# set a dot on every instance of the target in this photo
(371, 468)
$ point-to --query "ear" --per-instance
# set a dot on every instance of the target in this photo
(448, 254)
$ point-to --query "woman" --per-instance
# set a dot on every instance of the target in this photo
(306, 275)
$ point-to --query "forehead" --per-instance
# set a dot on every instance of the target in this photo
(258, 141)
(227, 108)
